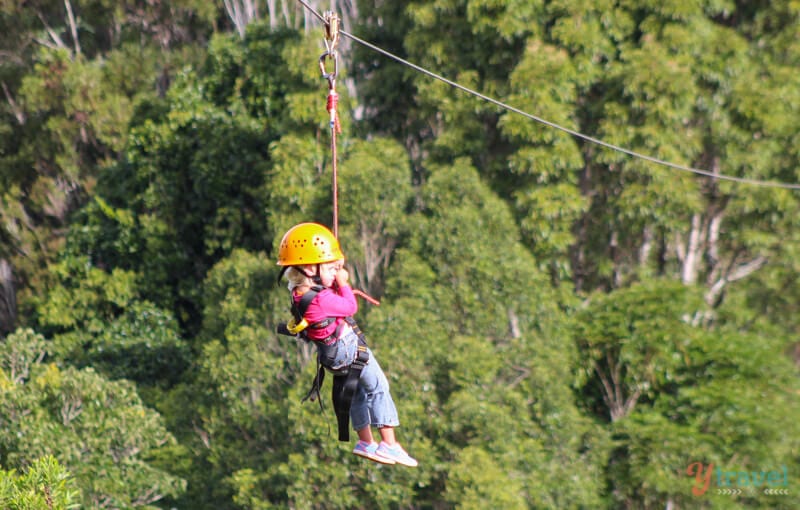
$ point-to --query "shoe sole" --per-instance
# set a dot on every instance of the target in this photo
(407, 464)
(395, 461)
(376, 458)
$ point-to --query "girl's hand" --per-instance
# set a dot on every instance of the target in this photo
(342, 277)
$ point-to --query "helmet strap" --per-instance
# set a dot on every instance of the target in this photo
(316, 278)
(283, 271)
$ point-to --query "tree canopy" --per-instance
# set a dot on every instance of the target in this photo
(563, 325)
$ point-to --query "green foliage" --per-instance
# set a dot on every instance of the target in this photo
(143, 345)
(374, 192)
(73, 74)
(45, 485)
(632, 342)
(679, 393)
(90, 424)
(150, 160)
(462, 321)
(191, 185)
(99, 320)
(85, 296)
(490, 485)
(184, 181)
(236, 398)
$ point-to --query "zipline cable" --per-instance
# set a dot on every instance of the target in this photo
(577, 134)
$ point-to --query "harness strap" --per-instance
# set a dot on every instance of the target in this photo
(324, 323)
(298, 323)
(299, 308)
(344, 386)
(314, 393)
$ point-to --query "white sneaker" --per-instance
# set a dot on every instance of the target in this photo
(396, 454)
(369, 451)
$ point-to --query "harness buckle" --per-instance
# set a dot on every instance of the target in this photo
(295, 327)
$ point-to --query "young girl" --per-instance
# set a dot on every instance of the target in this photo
(313, 262)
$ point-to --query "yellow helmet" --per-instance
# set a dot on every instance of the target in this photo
(308, 243)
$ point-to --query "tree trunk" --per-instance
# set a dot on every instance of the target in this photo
(242, 13)
(647, 245)
(691, 254)
(8, 298)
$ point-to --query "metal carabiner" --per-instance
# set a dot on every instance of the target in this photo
(331, 42)
(331, 77)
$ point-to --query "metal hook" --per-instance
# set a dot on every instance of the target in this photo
(331, 77)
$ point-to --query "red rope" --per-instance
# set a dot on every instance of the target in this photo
(333, 102)
(333, 105)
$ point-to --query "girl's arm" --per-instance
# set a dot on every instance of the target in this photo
(330, 303)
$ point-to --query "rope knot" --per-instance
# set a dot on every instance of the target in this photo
(333, 104)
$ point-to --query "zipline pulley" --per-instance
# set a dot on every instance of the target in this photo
(331, 44)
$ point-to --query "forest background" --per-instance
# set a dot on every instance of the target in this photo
(563, 325)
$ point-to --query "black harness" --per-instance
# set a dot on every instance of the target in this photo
(345, 380)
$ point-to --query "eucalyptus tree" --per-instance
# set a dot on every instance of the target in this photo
(478, 340)
(191, 185)
(655, 79)
(675, 393)
(73, 73)
(693, 84)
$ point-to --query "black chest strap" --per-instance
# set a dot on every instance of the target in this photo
(299, 309)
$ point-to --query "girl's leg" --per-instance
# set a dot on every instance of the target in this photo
(372, 403)
(365, 434)
(387, 435)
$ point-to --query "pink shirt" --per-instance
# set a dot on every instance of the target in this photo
(339, 303)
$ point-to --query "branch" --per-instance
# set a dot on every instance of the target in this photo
(204, 436)
(53, 35)
(151, 495)
(19, 114)
(46, 44)
(714, 225)
(73, 26)
(608, 392)
(513, 324)
(524, 372)
(232, 8)
(241, 12)
(737, 273)
(614, 369)
(11, 57)
(748, 268)
(608, 395)
(631, 401)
